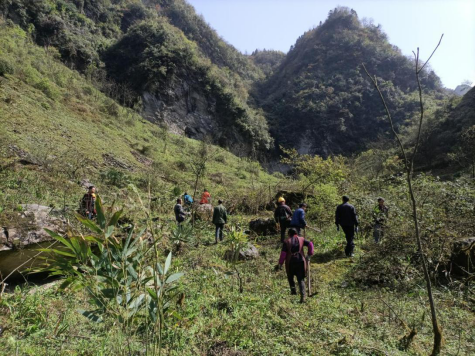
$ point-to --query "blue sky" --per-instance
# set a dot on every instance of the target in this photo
(276, 24)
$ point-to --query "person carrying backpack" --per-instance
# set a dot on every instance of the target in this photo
(295, 262)
(282, 216)
(88, 203)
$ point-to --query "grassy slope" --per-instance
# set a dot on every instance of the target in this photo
(63, 122)
(340, 319)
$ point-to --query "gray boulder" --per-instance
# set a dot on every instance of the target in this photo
(263, 227)
(22, 233)
(248, 253)
(204, 212)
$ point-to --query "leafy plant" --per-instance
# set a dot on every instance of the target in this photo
(237, 241)
(122, 276)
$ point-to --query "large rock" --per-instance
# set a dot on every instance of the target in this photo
(23, 232)
(263, 227)
(248, 253)
(204, 212)
(463, 256)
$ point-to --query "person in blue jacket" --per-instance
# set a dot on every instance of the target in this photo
(188, 200)
(298, 219)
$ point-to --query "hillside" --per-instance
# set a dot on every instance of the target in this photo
(442, 139)
(319, 99)
(183, 77)
(57, 129)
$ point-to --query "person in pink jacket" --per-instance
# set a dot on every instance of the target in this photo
(295, 262)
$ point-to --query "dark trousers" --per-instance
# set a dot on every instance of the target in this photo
(283, 230)
(297, 229)
(219, 231)
(296, 269)
(350, 236)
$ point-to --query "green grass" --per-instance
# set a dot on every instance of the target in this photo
(342, 317)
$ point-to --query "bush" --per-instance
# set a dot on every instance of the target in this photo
(110, 107)
(45, 86)
(6, 67)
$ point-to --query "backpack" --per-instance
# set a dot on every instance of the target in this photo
(283, 215)
(291, 255)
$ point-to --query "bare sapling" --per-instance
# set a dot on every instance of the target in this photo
(409, 170)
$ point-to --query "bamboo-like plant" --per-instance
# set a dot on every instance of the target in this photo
(122, 275)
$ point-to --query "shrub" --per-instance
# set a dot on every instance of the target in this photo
(45, 86)
(6, 67)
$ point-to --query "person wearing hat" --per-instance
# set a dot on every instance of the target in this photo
(282, 216)
(380, 216)
(345, 216)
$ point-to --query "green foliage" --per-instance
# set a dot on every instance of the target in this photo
(320, 98)
(237, 241)
(115, 177)
(124, 279)
(6, 67)
(154, 56)
(267, 60)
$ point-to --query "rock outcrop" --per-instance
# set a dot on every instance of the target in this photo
(22, 233)
(263, 227)
(204, 212)
(248, 253)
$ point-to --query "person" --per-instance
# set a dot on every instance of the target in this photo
(220, 218)
(295, 263)
(345, 216)
(180, 214)
(205, 198)
(298, 219)
(88, 203)
(188, 199)
(380, 216)
(282, 216)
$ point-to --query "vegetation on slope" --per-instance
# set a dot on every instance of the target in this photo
(89, 36)
(65, 130)
(447, 142)
(319, 99)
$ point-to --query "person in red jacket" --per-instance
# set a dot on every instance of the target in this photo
(295, 262)
(205, 197)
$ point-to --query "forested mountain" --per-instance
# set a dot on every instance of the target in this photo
(158, 56)
(267, 60)
(320, 101)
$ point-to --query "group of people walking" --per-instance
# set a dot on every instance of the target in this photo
(220, 215)
(291, 224)
(292, 249)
